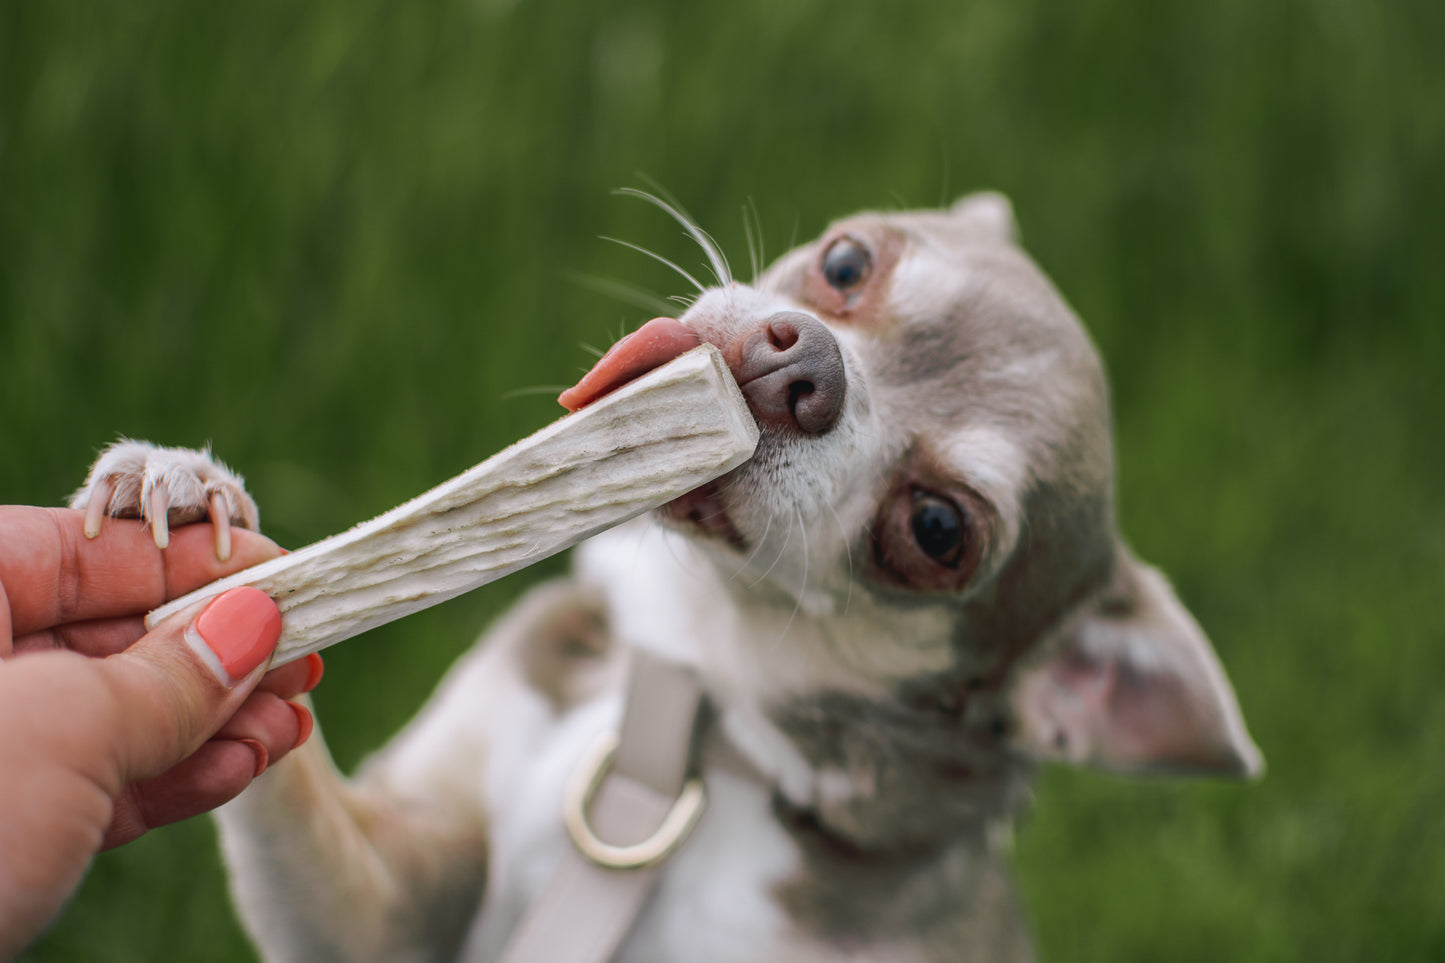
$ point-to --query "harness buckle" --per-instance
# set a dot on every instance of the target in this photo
(582, 790)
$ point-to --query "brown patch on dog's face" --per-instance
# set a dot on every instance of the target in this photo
(932, 529)
(846, 277)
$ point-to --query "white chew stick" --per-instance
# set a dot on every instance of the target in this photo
(635, 449)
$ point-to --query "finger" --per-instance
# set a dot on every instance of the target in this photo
(264, 730)
(52, 574)
(97, 638)
(215, 774)
(294, 678)
(267, 720)
(181, 682)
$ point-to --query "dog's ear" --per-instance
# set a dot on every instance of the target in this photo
(1133, 685)
(988, 212)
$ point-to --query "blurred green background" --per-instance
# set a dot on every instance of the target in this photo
(338, 241)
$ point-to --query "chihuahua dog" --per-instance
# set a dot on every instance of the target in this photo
(912, 593)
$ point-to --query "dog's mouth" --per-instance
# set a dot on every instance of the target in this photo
(701, 511)
(649, 347)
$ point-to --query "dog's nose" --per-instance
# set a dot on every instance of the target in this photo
(791, 372)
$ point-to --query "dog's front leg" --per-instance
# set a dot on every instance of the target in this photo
(323, 868)
(392, 865)
(328, 869)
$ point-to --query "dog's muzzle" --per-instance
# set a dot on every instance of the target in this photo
(790, 370)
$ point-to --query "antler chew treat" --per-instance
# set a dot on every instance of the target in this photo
(632, 450)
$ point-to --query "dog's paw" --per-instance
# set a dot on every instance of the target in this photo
(165, 487)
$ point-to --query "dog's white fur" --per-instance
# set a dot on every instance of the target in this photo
(877, 710)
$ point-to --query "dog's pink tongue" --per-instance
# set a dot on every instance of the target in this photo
(651, 346)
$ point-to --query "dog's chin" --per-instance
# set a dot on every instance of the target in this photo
(701, 514)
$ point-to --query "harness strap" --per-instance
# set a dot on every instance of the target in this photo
(627, 810)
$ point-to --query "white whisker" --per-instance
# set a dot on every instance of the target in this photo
(671, 548)
(657, 257)
(802, 589)
(704, 240)
(752, 247)
(943, 190)
(670, 545)
(758, 547)
(657, 190)
(762, 246)
(725, 279)
(533, 390)
(621, 291)
(847, 552)
(786, 539)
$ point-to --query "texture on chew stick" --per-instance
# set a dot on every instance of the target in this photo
(633, 449)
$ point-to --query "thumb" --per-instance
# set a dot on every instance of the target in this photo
(183, 680)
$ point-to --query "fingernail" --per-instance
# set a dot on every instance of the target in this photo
(304, 720)
(236, 633)
(262, 756)
(315, 669)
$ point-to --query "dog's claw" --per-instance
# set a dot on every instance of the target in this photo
(160, 503)
(164, 487)
(221, 520)
(96, 507)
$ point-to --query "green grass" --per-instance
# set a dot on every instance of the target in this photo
(334, 239)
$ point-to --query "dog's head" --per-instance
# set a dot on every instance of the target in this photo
(928, 521)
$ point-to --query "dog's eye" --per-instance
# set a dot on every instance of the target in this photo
(846, 264)
(938, 528)
(928, 541)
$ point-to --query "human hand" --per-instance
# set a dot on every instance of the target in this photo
(107, 731)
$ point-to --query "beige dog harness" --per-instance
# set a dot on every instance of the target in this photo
(633, 800)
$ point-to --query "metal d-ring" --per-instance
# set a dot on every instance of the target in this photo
(581, 792)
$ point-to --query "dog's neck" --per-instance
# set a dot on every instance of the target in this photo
(908, 774)
(887, 769)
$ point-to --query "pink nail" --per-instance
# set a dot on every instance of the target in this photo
(238, 630)
(315, 669)
(262, 756)
(305, 723)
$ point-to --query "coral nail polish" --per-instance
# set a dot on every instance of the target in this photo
(306, 723)
(236, 633)
(315, 669)
(262, 756)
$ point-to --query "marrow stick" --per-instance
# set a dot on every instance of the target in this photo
(632, 450)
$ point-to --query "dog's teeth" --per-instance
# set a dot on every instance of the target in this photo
(159, 506)
(99, 502)
(221, 520)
